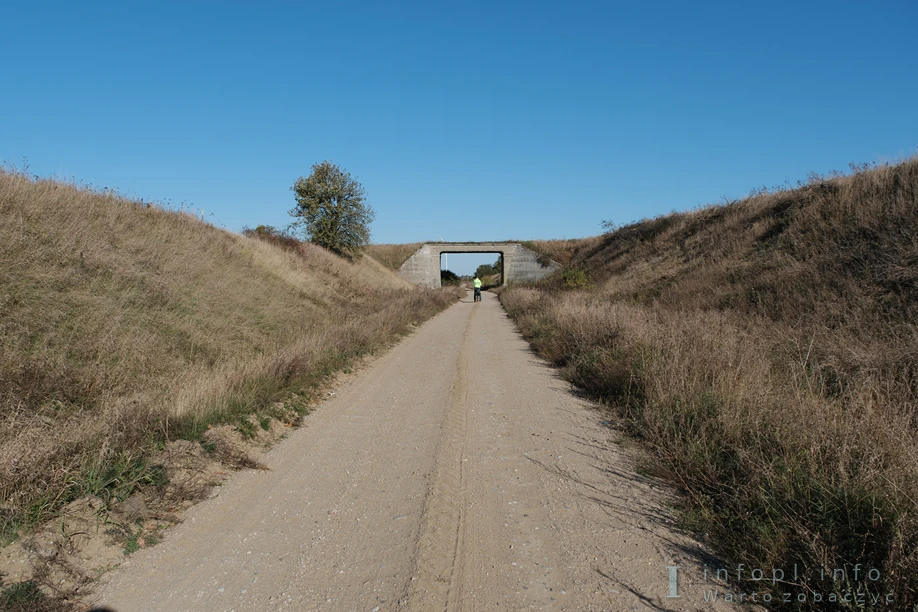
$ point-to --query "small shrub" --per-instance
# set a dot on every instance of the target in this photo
(131, 545)
(20, 594)
(245, 427)
(575, 278)
(274, 236)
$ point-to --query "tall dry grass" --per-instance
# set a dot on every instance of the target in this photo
(766, 352)
(123, 324)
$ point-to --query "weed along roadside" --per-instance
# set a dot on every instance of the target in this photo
(764, 351)
(144, 354)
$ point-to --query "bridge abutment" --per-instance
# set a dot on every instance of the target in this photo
(520, 263)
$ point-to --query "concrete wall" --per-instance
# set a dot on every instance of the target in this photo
(520, 263)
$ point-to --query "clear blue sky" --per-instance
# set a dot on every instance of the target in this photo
(473, 122)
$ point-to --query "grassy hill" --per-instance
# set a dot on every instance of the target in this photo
(767, 353)
(123, 325)
(392, 256)
(562, 250)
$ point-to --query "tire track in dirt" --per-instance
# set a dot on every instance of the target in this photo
(440, 560)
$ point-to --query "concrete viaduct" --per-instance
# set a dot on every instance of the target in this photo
(517, 262)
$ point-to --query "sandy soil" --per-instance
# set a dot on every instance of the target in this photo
(456, 472)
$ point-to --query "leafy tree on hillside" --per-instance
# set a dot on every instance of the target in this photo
(484, 270)
(488, 269)
(331, 210)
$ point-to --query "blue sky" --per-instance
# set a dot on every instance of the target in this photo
(466, 120)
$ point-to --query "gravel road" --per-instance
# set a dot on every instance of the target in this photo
(455, 472)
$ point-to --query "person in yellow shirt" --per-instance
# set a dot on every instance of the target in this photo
(477, 283)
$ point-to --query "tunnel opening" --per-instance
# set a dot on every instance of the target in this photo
(458, 267)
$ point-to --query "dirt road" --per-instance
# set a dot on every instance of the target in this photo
(456, 472)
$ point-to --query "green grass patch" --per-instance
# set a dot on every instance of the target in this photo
(19, 595)
(131, 545)
(114, 478)
(575, 278)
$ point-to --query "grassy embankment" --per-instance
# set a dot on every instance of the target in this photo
(767, 352)
(392, 256)
(124, 325)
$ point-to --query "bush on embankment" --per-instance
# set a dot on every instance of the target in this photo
(767, 352)
(123, 325)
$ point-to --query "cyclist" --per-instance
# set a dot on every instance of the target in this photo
(477, 283)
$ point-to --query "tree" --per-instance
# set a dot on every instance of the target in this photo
(331, 210)
(484, 270)
(489, 269)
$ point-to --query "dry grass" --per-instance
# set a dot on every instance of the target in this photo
(392, 256)
(766, 351)
(122, 325)
(564, 250)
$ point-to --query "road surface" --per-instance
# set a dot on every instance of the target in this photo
(455, 472)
